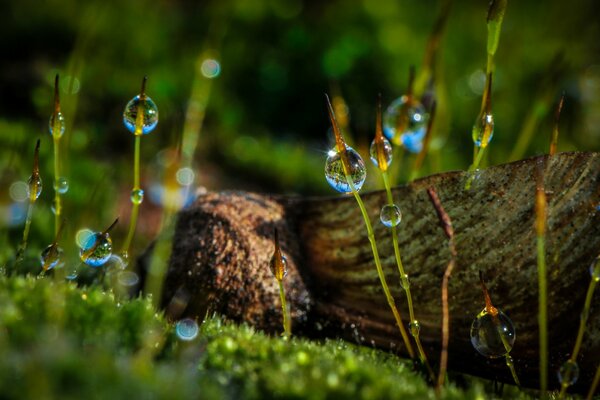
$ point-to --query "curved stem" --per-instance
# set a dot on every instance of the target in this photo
(404, 277)
(384, 285)
(594, 384)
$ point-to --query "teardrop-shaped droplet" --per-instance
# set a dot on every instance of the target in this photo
(137, 196)
(50, 257)
(483, 129)
(150, 114)
(595, 270)
(381, 149)
(414, 328)
(56, 125)
(278, 270)
(334, 170)
(34, 187)
(405, 282)
(405, 122)
(96, 249)
(492, 336)
(61, 185)
(390, 215)
(568, 373)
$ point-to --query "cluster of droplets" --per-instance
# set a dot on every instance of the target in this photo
(405, 123)
(149, 118)
(335, 172)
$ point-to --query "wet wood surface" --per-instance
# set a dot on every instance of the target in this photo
(223, 244)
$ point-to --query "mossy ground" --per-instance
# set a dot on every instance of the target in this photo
(60, 341)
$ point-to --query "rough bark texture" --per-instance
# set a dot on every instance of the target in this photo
(223, 244)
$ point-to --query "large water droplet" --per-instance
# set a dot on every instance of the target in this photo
(568, 373)
(483, 129)
(150, 114)
(279, 272)
(405, 122)
(492, 336)
(56, 126)
(334, 170)
(50, 257)
(390, 215)
(137, 196)
(62, 185)
(34, 187)
(186, 329)
(96, 250)
(385, 148)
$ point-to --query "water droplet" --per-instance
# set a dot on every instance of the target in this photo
(51, 256)
(210, 68)
(62, 185)
(483, 129)
(117, 262)
(59, 123)
(386, 150)
(415, 328)
(595, 270)
(275, 270)
(34, 187)
(334, 170)
(71, 272)
(186, 329)
(137, 196)
(150, 114)
(405, 122)
(96, 250)
(405, 282)
(128, 278)
(390, 215)
(568, 373)
(492, 336)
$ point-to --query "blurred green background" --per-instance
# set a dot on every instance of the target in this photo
(245, 79)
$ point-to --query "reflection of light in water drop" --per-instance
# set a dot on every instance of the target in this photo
(58, 122)
(71, 272)
(137, 196)
(405, 121)
(390, 215)
(210, 68)
(34, 186)
(62, 186)
(185, 176)
(18, 191)
(334, 170)
(96, 250)
(82, 236)
(149, 110)
(128, 278)
(387, 152)
(186, 329)
(492, 336)
(51, 256)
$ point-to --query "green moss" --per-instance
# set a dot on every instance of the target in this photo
(60, 341)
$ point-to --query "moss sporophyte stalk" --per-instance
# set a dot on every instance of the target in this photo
(345, 172)
(278, 266)
(56, 126)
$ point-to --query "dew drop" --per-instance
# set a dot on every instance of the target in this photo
(568, 373)
(34, 187)
(415, 328)
(386, 151)
(483, 129)
(390, 215)
(56, 125)
(150, 114)
(405, 282)
(334, 170)
(51, 256)
(62, 185)
(137, 196)
(405, 122)
(492, 336)
(71, 273)
(186, 329)
(96, 250)
(275, 269)
(595, 270)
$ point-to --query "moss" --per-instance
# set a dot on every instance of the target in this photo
(60, 341)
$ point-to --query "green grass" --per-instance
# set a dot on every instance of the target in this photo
(60, 341)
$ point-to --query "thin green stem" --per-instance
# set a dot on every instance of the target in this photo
(473, 168)
(57, 202)
(582, 323)
(384, 285)
(594, 386)
(542, 314)
(135, 209)
(287, 322)
(23, 245)
(404, 277)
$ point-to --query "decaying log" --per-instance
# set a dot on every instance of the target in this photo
(223, 244)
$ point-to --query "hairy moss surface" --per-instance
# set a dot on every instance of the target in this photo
(60, 341)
